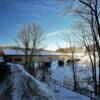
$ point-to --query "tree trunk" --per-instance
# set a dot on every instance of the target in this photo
(74, 72)
(26, 58)
(99, 74)
(95, 79)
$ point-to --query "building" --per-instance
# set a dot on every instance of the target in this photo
(78, 52)
(18, 55)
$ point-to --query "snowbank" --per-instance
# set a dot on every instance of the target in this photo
(26, 87)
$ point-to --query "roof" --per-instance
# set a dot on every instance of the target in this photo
(69, 50)
(21, 52)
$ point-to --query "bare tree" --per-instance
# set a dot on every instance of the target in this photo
(86, 38)
(36, 36)
(89, 10)
(68, 40)
(23, 39)
(31, 37)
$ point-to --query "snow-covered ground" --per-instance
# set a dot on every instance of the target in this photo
(27, 87)
(64, 74)
(65, 94)
(24, 85)
(59, 73)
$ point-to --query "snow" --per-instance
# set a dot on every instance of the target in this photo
(86, 58)
(85, 62)
(20, 77)
(54, 64)
(64, 74)
(59, 73)
(36, 65)
(18, 74)
(21, 52)
(12, 52)
(78, 55)
(97, 72)
(1, 60)
(49, 53)
(65, 94)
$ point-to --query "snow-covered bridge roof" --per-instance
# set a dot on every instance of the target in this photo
(38, 52)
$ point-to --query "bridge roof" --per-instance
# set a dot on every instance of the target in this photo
(38, 52)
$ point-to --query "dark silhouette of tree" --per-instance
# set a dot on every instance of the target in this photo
(86, 38)
(89, 11)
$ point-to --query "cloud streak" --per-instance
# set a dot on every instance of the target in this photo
(53, 34)
(58, 32)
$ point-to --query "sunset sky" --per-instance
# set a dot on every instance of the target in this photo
(48, 13)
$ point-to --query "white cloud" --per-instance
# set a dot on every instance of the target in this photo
(58, 32)
(53, 33)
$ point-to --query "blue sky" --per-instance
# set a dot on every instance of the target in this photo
(48, 13)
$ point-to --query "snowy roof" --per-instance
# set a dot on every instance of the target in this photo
(21, 52)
